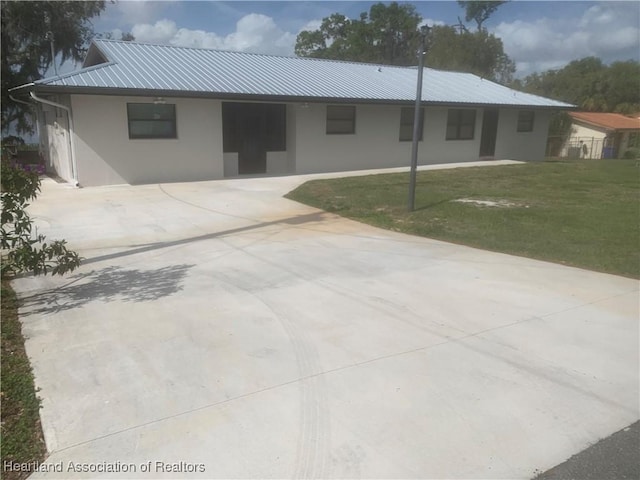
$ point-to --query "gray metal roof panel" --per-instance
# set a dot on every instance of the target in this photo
(168, 68)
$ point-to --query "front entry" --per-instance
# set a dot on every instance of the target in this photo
(489, 132)
(251, 130)
(252, 154)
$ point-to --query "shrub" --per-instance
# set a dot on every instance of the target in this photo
(632, 153)
(23, 249)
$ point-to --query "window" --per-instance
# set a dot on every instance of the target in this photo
(406, 124)
(461, 124)
(525, 120)
(341, 119)
(150, 120)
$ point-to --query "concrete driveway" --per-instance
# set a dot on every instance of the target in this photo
(218, 330)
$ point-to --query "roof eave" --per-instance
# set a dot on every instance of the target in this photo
(606, 128)
(134, 92)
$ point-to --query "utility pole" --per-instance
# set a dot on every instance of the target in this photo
(416, 120)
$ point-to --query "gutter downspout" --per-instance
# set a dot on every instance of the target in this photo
(20, 101)
(74, 166)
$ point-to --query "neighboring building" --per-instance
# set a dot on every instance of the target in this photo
(601, 135)
(141, 113)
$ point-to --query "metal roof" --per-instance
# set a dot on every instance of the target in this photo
(608, 121)
(150, 68)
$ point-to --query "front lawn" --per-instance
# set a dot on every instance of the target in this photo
(583, 213)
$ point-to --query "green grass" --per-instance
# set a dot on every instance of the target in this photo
(581, 213)
(22, 439)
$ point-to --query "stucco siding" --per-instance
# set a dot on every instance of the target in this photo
(375, 143)
(584, 142)
(514, 145)
(587, 132)
(106, 155)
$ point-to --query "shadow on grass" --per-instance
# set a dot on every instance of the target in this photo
(108, 285)
(433, 204)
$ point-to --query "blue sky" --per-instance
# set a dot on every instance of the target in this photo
(536, 35)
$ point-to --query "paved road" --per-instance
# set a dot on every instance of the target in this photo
(616, 457)
(221, 328)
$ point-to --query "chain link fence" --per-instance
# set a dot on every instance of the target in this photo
(579, 147)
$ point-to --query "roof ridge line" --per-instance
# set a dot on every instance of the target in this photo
(295, 57)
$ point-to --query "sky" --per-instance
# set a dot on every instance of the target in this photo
(537, 35)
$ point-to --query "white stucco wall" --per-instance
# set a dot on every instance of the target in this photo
(375, 143)
(277, 163)
(106, 155)
(583, 135)
(230, 164)
(514, 145)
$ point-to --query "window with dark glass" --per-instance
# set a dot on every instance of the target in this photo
(150, 120)
(525, 120)
(406, 124)
(461, 124)
(341, 119)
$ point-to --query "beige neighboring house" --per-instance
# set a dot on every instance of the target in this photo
(143, 113)
(601, 135)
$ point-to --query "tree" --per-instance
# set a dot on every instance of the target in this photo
(331, 40)
(623, 86)
(591, 85)
(24, 250)
(479, 11)
(26, 49)
(127, 37)
(390, 34)
(478, 52)
(387, 34)
(124, 36)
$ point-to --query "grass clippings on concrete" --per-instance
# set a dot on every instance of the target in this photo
(22, 439)
(582, 213)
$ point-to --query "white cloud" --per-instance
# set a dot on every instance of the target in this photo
(608, 31)
(160, 32)
(136, 11)
(254, 32)
(311, 25)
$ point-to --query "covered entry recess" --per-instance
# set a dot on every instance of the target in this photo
(251, 130)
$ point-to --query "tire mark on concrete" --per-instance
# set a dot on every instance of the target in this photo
(313, 440)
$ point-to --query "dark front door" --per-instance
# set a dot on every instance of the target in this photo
(252, 155)
(489, 132)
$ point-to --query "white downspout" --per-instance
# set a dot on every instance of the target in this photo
(74, 166)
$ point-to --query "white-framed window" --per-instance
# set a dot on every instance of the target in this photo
(151, 120)
(461, 124)
(526, 119)
(341, 119)
(406, 124)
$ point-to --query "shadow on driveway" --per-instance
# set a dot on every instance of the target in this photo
(296, 220)
(126, 285)
(109, 284)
